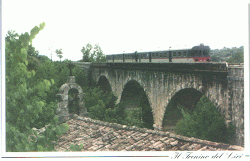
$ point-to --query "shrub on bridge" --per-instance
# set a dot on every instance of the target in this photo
(204, 123)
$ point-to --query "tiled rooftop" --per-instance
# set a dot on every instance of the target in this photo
(96, 135)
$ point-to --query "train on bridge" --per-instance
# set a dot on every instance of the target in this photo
(199, 53)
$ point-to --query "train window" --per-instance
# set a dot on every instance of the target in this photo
(157, 55)
(174, 53)
(179, 54)
(194, 53)
(205, 52)
(166, 55)
(200, 52)
(184, 53)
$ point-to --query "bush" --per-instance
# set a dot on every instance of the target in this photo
(204, 123)
(76, 147)
(134, 117)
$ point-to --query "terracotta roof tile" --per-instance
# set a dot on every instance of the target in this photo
(96, 135)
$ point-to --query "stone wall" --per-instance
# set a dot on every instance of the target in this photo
(223, 87)
(62, 111)
(236, 100)
(160, 87)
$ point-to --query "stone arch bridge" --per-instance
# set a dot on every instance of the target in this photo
(221, 83)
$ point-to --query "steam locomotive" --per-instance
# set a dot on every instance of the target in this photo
(199, 53)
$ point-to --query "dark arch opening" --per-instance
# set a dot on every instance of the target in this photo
(186, 98)
(73, 103)
(201, 118)
(104, 84)
(136, 105)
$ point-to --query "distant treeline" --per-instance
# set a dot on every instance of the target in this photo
(230, 55)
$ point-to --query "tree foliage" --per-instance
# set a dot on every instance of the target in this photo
(59, 53)
(101, 106)
(205, 123)
(92, 56)
(230, 55)
(26, 96)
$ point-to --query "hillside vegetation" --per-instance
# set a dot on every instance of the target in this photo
(230, 55)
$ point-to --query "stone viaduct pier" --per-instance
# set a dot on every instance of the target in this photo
(221, 83)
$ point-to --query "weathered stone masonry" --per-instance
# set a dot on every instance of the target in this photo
(62, 111)
(236, 100)
(162, 83)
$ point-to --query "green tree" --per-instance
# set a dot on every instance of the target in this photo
(233, 55)
(59, 53)
(98, 53)
(26, 98)
(87, 55)
(205, 123)
(95, 56)
(32, 57)
(236, 58)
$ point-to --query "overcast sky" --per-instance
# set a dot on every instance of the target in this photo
(129, 26)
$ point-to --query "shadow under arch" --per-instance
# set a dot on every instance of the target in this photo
(104, 84)
(134, 97)
(186, 98)
(73, 103)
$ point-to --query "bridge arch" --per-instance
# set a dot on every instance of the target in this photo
(104, 84)
(134, 96)
(104, 81)
(186, 98)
